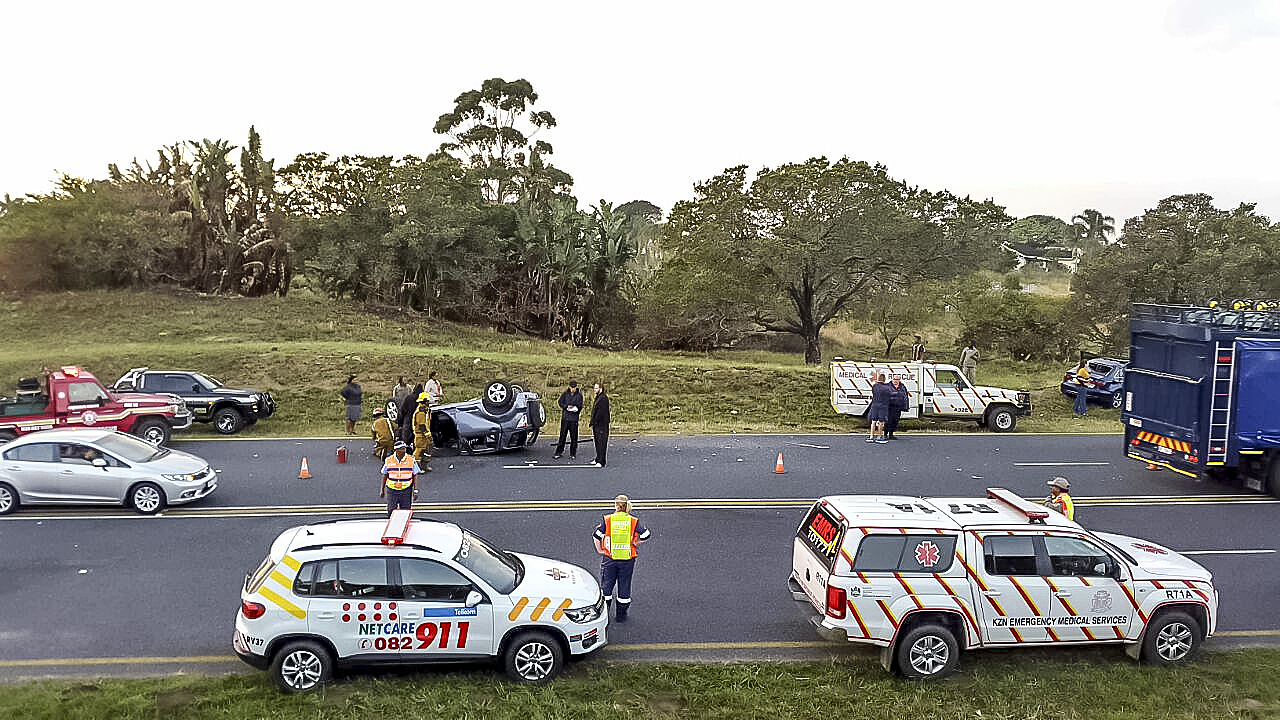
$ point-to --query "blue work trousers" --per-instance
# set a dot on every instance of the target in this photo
(618, 571)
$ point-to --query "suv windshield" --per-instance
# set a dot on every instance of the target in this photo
(499, 568)
(209, 383)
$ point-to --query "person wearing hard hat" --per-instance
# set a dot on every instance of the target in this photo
(1060, 498)
(381, 433)
(422, 431)
(616, 539)
(399, 478)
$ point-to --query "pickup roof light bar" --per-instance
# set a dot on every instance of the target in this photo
(1033, 513)
(70, 370)
(397, 527)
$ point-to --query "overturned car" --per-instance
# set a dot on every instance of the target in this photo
(505, 417)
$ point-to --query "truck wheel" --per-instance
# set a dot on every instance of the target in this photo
(533, 657)
(1173, 637)
(1117, 399)
(8, 498)
(498, 397)
(927, 652)
(228, 421)
(1001, 419)
(153, 431)
(147, 498)
(301, 667)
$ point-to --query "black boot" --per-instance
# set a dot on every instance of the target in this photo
(622, 611)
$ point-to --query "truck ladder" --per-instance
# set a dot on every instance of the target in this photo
(1224, 368)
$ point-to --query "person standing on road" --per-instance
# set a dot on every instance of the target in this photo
(400, 391)
(1060, 499)
(422, 431)
(1081, 404)
(351, 397)
(434, 388)
(600, 425)
(917, 350)
(383, 435)
(617, 537)
(878, 413)
(404, 414)
(399, 479)
(969, 362)
(570, 412)
(899, 401)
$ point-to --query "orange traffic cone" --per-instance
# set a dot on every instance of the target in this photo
(304, 473)
(777, 468)
(1152, 466)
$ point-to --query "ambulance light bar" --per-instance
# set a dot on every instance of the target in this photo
(1032, 512)
(70, 370)
(397, 527)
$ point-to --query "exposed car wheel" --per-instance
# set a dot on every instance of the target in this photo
(146, 498)
(927, 651)
(1117, 399)
(156, 432)
(228, 421)
(533, 657)
(1172, 637)
(537, 414)
(8, 499)
(301, 666)
(498, 397)
(393, 411)
(1001, 418)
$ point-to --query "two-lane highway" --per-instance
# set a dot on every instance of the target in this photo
(103, 591)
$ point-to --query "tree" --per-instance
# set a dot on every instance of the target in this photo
(492, 131)
(1094, 228)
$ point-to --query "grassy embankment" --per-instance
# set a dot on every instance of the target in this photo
(302, 347)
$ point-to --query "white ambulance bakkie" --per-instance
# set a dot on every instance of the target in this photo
(404, 591)
(935, 390)
(926, 578)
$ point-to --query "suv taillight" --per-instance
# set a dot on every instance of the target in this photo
(835, 602)
(252, 610)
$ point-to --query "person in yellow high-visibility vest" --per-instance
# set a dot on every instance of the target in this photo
(399, 478)
(616, 539)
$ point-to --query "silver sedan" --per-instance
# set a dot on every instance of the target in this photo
(68, 467)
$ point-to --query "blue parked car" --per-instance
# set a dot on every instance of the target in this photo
(1106, 382)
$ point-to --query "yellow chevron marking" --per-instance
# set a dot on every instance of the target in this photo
(285, 605)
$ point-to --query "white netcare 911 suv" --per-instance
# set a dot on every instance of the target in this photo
(405, 591)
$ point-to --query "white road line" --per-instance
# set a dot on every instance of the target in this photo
(818, 447)
(1057, 464)
(1260, 551)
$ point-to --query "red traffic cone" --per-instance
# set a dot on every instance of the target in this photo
(777, 467)
(304, 473)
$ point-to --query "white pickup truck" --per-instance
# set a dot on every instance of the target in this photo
(936, 390)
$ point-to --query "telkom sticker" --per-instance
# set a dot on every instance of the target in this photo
(927, 554)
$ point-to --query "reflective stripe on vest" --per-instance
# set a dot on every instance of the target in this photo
(399, 472)
(621, 534)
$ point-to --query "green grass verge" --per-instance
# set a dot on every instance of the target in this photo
(301, 348)
(1087, 685)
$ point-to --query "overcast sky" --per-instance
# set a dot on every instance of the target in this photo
(1045, 107)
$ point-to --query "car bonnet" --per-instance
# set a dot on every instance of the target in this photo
(1158, 560)
(555, 579)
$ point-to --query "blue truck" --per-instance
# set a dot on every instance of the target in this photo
(1202, 393)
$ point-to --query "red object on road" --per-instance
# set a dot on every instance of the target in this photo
(342, 454)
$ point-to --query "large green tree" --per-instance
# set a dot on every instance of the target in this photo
(1094, 228)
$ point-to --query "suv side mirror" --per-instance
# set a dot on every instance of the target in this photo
(473, 598)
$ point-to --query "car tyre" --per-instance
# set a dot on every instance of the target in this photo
(927, 652)
(533, 657)
(537, 415)
(302, 666)
(498, 397)
(8, 498)
(147, 498)
(156, 432)
(393, 411)
(1001, 419)
(1173, 637)
(1117, 400)
(228, 421)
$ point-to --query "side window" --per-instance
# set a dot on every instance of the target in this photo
(79, 393)
(179, 384)
(80, 454)
(947, 379)
(1010, 555)
(363, 577)
(905, 553)
(1075, 556)
(326, 580)
(37, 452)
(306, 575)
(430, 580)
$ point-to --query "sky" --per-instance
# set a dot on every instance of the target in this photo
(1044, 107)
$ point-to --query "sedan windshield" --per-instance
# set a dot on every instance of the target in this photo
(130, 448)
(499, 568)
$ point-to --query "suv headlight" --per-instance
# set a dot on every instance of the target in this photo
(586, 613)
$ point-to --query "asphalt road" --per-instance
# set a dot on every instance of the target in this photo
(104, 592)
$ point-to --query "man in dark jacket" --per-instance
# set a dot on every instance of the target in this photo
(900, 401)
(404, 419)
(600, 425)
(570, 411)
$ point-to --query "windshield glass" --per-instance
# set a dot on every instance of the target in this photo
(210, 383)
(497, 567)
(130, 448)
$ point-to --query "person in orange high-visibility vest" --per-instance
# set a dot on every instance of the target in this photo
(1060, 497)
(399, 478)
(616, 539)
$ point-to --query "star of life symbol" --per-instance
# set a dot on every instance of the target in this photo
(1151, 549)
(927, 554)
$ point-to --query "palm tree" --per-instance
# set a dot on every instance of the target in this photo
(1094, 227)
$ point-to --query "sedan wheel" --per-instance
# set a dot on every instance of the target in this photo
(147, 498)
(8, 499)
